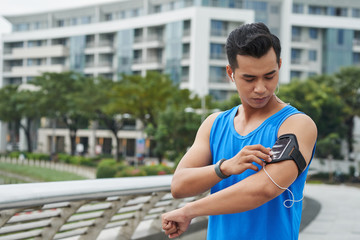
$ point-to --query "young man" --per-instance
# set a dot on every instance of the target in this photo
(254, 195)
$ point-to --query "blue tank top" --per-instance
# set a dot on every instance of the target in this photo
(272, 220)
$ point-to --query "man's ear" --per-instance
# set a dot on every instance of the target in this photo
(280, 61)
(230, 73)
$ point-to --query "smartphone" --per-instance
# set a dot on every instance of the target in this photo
(279, 147)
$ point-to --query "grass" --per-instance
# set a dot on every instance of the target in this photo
(39, 173)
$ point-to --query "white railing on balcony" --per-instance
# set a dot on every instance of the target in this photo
(87, 209)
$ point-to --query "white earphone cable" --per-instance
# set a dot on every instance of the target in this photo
(292, 199)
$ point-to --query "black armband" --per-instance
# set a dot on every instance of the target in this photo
(287, 148)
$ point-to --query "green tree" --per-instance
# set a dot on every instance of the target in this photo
(322, 103)
(143, 97)
(66, 98)
(20, 106)
(347, 85)
(107, 111)
(176, 132)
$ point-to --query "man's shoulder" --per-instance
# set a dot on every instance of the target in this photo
(299, 123)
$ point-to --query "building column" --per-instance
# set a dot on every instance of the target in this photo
(22, 137)
(3, 133)
(285, 38)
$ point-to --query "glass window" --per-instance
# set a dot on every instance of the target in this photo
(356, 12)
(85, 19)
(340, 38)
(219, 94)
(356, 58)
(256, 5)
(218, 74)
(157, 8)
(295, 56)
(74, 21)
(298, 8)
(313, 33)
(356, 40)
(296, 34)
(295, 74)
(316, 10)
(135, 12)
(217, 51)
(274, 9)
(108, 17)
(311, 74)
(337, 11)
(60, 23)
(312, 55)
(218, 28)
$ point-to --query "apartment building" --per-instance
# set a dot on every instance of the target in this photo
(183, 38)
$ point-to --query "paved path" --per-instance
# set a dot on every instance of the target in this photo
(339, 216)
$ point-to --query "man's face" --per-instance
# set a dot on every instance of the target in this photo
(256, 78)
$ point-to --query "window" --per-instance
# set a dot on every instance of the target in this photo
(37, 25)
(215, 3)
(311, 74)
(295, 74)
(356, 12)
(312, 55)
(60, 23)
(340, 37)
(86, 19)
(108, 17)
(315, 10)
(73, 21)
(337, 11)
(313, 33)
(356, 40)
(135, 12)
(217, 51)
(356, 58)
(21, 27)
(298, 8)
(218, 74)
(296, 34)
(274, 9)
(256, 5)
(218, 28)
(157, 8)
(295, 56)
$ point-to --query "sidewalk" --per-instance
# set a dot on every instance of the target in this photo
(339, 216)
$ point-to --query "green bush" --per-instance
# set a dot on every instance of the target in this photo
(63, 157)
(130, 172)
(159, 169)
(14, 154)
(38, 156)
(107, 168)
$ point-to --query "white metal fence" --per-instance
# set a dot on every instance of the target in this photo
(122, 208)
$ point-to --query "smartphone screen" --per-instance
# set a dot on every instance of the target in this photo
(279, 147)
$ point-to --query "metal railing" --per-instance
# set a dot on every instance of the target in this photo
(86, 209)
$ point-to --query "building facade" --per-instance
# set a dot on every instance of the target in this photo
(183, 38)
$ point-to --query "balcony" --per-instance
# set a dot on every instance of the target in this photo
(33, 70)
(38, 52)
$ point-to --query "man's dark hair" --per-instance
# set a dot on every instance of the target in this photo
(254, 39)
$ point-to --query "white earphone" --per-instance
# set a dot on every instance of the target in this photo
(232, 76)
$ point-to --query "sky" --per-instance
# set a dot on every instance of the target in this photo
(10, 7)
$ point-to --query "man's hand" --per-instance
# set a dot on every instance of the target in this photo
(175, 223)
(245, 159)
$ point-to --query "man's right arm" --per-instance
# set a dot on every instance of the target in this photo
(195, 173)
